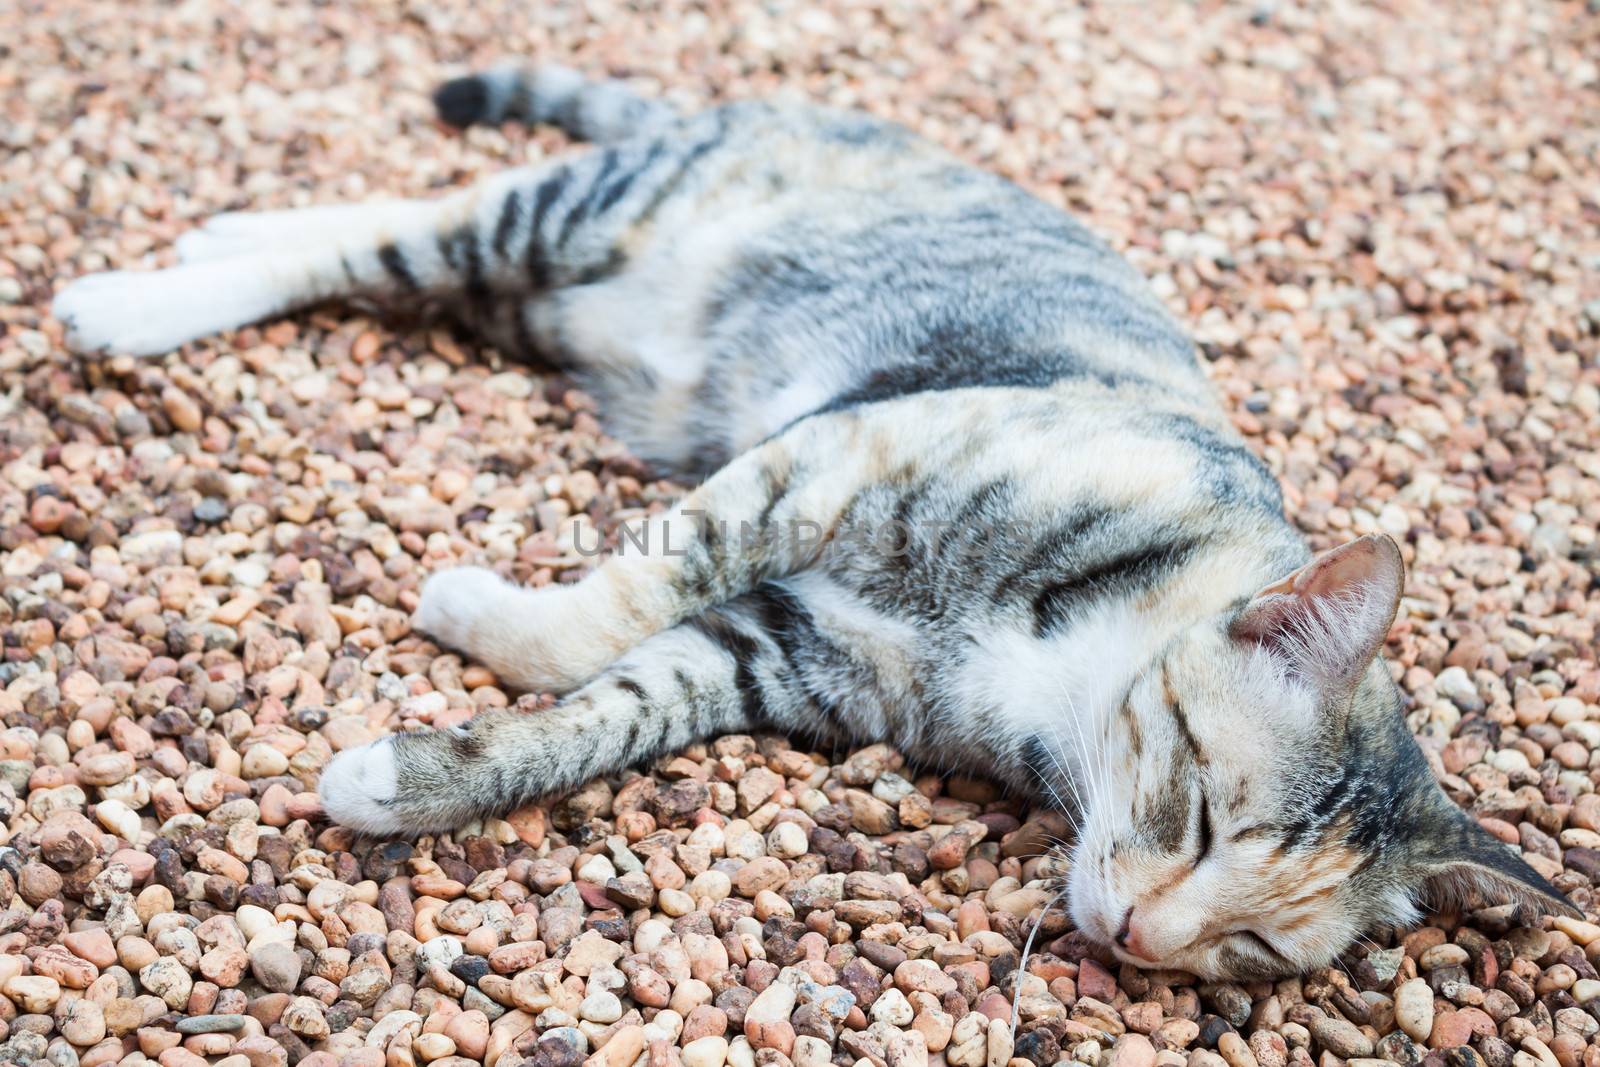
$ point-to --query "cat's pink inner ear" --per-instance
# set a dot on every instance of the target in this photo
(1330, 617)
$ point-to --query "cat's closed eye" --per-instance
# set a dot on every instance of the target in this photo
(1255, 941)
(1204, 831)
(1251, 953)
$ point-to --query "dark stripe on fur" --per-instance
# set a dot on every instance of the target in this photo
(580, 211)
(395, 264)
(1122, 574)
(685, 167)
(544, 197)
(507, 221)
(744, 651)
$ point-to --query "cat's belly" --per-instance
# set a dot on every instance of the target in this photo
(864, 670)
(872, 676)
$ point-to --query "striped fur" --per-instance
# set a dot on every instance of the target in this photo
(965, 488)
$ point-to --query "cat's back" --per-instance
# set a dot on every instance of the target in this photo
(812, 259)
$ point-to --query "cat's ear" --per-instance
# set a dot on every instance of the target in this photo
(1328, 619)
(1461, 865)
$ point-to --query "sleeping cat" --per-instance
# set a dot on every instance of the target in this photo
(1089, 589)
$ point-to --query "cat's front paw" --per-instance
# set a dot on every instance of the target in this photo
(359, 788)
(133, 313)
(152, 312)
(533, 639)
(456, 602)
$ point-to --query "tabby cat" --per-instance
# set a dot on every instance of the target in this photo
(966, 489)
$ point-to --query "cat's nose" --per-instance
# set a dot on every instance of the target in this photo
(1128, 938)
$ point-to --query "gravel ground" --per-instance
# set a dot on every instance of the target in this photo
(1382, 221)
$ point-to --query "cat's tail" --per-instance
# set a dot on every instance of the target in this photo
(599, 111)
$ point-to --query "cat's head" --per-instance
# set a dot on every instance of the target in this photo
(1260, 804)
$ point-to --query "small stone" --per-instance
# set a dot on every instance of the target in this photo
(94, 945)
(304, 1016)
(703, 1020)
(810, 1052)
(1095, 981)
(892, 1008)
(1342, 1038)
(37, 883)
(621, 1050)
(83, 1023)
(1445, 955)
(470, 1032)
(589, 953)
(602, 1007)
(999, 1044)
(430, 1047)
(1413, 1009)
(765, 873)
(1133, 1050)
(907, 1048)
(766, 1020)
(262, 1052)
(276, 966)
(168, 979)
(705, 1052)
(787, 841)
(210, 1024)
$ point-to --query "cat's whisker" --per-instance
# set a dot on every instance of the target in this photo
(1082, 780)
(1082, 771)
(1338, 961)
(1053, 750)
(1061, 802)
(1089, 753)
(1022, 966)
(1059, 844)
(1050, 788)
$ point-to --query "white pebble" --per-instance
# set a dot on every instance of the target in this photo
(602, 1007)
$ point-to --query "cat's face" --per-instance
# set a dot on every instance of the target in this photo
(1259, 804)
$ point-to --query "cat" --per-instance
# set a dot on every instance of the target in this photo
(1092, 592)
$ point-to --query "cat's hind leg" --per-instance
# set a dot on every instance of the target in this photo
(494, 248)
(680, 686)
(244, 269)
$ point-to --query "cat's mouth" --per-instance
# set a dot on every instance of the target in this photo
(1134, 958)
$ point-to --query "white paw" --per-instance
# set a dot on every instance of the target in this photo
(144, 313)
(358, 788)
(456, 601)
(147, 313)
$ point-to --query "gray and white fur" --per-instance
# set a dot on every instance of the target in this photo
(1091, 592)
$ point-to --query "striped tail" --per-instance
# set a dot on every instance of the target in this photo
(598, 111)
